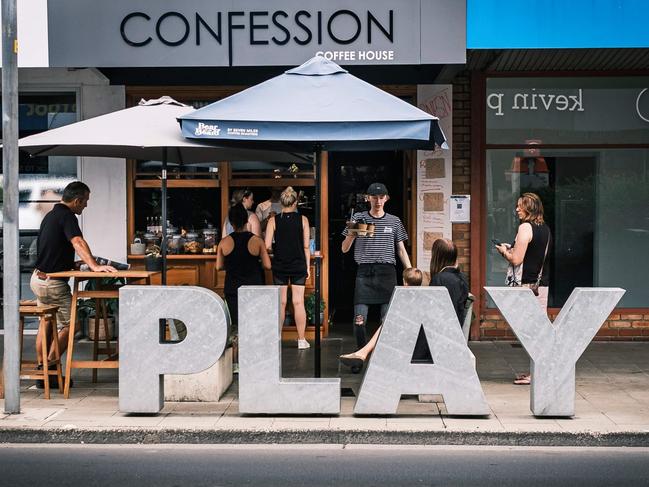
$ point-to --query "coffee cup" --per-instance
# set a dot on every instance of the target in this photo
(362, 229)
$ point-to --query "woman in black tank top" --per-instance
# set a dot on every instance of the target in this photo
(287, 234)
(239, 254)
(530, 251)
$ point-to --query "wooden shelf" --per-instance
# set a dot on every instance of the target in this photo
(178, 183)
(178, 257)
(272, 182)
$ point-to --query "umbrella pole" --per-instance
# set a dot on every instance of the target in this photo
(163, 185)
(317, 261)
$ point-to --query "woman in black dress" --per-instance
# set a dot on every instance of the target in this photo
(239, 254)
(287, 235)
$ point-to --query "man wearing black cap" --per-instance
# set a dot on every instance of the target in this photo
(377, 273)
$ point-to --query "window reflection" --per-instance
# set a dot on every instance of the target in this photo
(597, 206)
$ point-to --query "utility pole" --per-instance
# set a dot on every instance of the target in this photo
(10, 241)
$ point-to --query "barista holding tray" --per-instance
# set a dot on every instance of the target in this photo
(376, 276)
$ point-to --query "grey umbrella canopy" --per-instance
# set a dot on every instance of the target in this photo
(314, 107)
(147, 131)
(316, 104)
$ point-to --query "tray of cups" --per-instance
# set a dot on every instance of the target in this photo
(360, 229)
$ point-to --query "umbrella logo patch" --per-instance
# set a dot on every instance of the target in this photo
(240, 132)
(207, 129)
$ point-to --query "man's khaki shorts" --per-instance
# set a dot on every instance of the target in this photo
(54, 292)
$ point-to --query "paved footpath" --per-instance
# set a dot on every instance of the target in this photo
(612, 409)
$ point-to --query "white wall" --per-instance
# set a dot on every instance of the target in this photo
(33, 46)
(104, 220)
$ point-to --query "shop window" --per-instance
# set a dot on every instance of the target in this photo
(41, 179)
(273, 170)
(597, 206)
(151, 170)
(593, 110)
(188, 209)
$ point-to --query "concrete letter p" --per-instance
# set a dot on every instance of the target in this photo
(145, 358)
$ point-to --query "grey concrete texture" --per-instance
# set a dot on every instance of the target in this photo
(145, 358)
(262, 388)
(555, 347)
(611, 408)
(389, 372)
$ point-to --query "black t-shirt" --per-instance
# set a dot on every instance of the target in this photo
(458, 289)
(288, 249)
(55, 251)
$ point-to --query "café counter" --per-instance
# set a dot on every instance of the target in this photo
(200, 270)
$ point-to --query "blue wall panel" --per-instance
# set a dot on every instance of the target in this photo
(529, 24)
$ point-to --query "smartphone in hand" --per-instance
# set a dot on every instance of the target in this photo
(496, 242)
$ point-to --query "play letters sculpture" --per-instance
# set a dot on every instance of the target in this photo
(554, 349)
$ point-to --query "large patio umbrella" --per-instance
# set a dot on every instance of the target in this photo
(147, 131)
(314, 107)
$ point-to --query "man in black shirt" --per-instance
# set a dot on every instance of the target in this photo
(59, 238)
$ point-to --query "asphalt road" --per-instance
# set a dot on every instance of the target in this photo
(316, 465)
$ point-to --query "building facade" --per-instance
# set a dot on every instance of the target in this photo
(532, 95)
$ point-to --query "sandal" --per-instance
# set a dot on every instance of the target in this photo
(523, 380)
(352, 360)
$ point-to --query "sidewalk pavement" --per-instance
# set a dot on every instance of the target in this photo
(612, 408)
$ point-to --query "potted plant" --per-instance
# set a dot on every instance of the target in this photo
(88, 312)
(309, 306)
(153, 258)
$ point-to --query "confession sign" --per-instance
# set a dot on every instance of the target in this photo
(143, 33)
(553, 347)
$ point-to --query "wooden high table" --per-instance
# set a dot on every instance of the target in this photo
(111, 362)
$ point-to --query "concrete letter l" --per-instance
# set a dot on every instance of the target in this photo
(144, 360)
(390, 372)
(261, 387)
(554, 348)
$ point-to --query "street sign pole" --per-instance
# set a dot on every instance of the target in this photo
(10, 241)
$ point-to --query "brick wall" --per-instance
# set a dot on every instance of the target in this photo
(462, 162)
(625, 326)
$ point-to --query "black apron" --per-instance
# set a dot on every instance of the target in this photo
(374, 283)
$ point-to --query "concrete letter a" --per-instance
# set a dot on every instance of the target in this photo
(390, 372)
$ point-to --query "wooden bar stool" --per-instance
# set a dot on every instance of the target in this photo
(46, 325)
(101, 315)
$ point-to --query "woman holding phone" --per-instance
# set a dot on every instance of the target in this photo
(527, 256)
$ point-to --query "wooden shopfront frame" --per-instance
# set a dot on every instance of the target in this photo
(201, 268)
(479, 148)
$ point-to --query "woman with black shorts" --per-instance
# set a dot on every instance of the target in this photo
(287, 236)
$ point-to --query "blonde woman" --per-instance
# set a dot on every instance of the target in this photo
(528, 255)
(287, 236)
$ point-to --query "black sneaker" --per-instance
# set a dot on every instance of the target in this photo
(54, 382)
